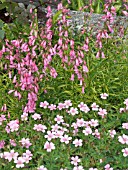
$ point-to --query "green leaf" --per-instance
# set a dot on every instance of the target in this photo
(2, 34)
(1, 23)
(2, 6)
(56, 16)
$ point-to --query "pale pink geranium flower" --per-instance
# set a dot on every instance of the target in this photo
(65, 139)
(2, 118)
(55, 127)
(50, 135)
(44, 104)
(49, 146)
(25, 142)
(24, 116)
(28, 153)
(75, 160)
(40, 127)
(123, 139)
(10, 155)
(126, 103)
(52, 107)
(2, 143)
(125, 125)
(96, 133)
(94, 107)
(61, 106)
(27, 156)
(73, 111)
(80, 123)
(102, 112)
(36, 116)
(26, 159)
(14, 125)
(75, 131)
(19, 162)
(12, 142)
(107, 167)
(112, 133)
(77, 142)
(42, 168)
(87, 131)
(83, 107)
(122, 110)
(59, 119)
(93, 123)
(59, 133)
(93, 169)
(67, 103)
(104, 95)
(125, 152)
(78, 168)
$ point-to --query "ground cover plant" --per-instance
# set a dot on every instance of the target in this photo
(64, 96)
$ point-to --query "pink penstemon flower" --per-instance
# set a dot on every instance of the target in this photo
(49, 146)
(4, 108)
(53, 73)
